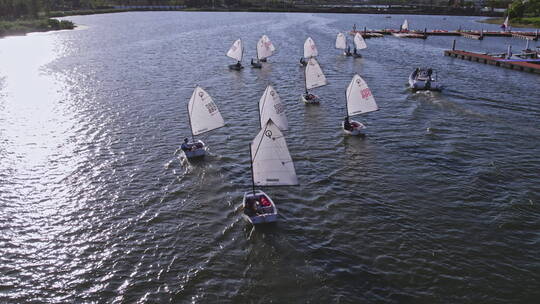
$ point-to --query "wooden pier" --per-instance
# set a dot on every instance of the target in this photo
(468, 34)
(496, 61)
(473, 36)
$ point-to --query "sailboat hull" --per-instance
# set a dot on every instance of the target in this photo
(256, 65)
(357, 128)
(235, 67)
(261, 213)
(315, 100)
(198, 150)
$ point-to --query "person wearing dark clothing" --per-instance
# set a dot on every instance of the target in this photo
(186, 146)
(347, 124)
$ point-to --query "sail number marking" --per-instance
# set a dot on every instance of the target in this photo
(365, 93)
(211, 107)
(279, 108)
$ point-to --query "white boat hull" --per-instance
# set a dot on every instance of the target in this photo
(423, 84)
(357, 128)
(198, 151)
(315, 100)
(264, 214)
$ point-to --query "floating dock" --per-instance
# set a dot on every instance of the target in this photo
(468, 34)
(520, 65)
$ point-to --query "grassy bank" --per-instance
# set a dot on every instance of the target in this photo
(21, 27)
(530, 22)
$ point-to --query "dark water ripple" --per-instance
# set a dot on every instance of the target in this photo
(437, 204)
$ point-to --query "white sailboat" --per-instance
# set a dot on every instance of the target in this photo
(268, 44)
(405, 25)
(314, 78)
(359, 100)
(204, 116)
(341, 44)
(265, 49)
(405, 33)
(310, 50)
(271, 108)
(236, 52)
(359, 44)
(271, 165)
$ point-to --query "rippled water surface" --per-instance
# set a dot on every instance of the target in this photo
(439, 203)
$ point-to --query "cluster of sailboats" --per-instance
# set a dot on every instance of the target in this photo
(265, 48)
(271, 162)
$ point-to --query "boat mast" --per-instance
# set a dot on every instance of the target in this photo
(251, 165)
(257, 50)
(189, 119)
(305, 75)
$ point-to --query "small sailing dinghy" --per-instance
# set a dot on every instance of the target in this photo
(405, 33)
(359, 44)
(271, 165)
(204, 116)
(424, 80)
(341, 44)
(359, 100)
(271, 108)
(310, 51)
(269, 45)
(236, 52)
(265, 49)
(314, 78)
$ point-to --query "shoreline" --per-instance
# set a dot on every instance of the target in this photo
(318, 10)
(513, 24)
(23, 27)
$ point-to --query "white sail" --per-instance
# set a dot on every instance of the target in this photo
(272, 163)
(405, 26)
(269, 43)
(314, 75)
(263, 48)
(359, 97)
(203, 113)
(236, 51)
(341, 41)
(359, 42)
(506, 22)
(310, 49)
(270, 107)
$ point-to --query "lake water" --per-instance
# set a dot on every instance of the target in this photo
(439, 203)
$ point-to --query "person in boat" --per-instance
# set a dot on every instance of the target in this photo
(186, 146)
(347, 124)
(302, 60)
(238, 65)
(309, 96)
(265, 202)
(429, 72)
